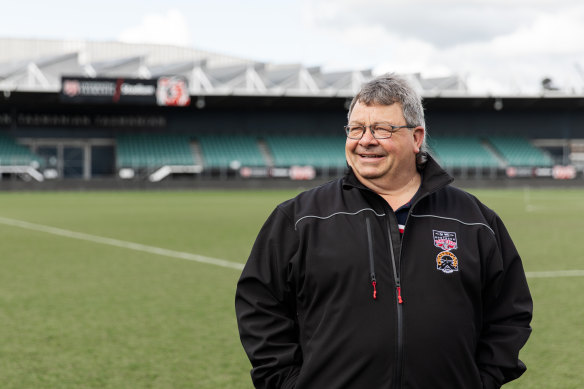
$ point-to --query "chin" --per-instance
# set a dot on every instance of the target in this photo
(368, 174)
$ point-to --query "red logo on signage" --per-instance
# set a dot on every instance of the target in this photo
(172, 91)
(71, 88)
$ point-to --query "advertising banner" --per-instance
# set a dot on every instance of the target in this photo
(294, 172)
(163, 91)
(558, 172)
(564, 172)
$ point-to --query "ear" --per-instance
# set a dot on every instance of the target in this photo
(418, 133)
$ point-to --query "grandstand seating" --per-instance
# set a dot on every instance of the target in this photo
(153, 150)
(318, 151)
(222, 150)
(465, 151)
(14, 154)
(517, 151)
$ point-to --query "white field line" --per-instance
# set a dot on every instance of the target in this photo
(121, 243)
(195, 257)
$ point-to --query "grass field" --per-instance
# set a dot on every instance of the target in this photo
(77, 311)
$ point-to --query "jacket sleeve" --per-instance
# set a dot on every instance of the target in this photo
(507, 312)
(265, 305)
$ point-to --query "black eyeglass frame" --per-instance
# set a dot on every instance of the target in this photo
(373, 128)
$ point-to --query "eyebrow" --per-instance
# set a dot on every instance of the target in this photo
(375, 124)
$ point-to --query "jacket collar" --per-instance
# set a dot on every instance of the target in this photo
(433, 178)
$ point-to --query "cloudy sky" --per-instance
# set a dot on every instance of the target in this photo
(497, 46)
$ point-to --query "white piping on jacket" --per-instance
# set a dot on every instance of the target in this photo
(337, 213)
(457, 220)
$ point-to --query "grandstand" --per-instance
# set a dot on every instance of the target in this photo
(517, 151)
(75, 110)
(13, 154)
(139, 151)
(317, 150)
(463, 151)
(18, 159)
(221, 151)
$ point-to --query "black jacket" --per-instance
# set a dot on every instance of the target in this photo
(332, 297)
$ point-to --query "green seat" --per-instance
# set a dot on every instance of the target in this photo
(153, 150)
(225, 150)
(319, 150)
(518, 151)
(14, 154)
(462, 152)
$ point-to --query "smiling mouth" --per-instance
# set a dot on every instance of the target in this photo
(370, 155)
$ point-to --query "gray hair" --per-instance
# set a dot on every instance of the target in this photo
(389, 89)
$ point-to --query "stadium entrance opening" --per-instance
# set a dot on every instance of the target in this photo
(75, 158)
(73, 162)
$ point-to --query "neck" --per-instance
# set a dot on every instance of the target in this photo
(397, 191)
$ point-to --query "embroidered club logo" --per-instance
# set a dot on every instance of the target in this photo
(446, 261)
(445, 240)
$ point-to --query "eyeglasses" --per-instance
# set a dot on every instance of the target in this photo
(379, 131)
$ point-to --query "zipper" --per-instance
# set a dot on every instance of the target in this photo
(371, 261)
(399, 309)
(398, 286)
(400, 301)
(396, 274)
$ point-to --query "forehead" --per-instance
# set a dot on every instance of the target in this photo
(374, 113)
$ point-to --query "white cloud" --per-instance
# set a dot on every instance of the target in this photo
(550, 33)
(550, 46)
(541, 39)
(442, 23)
(169, 28)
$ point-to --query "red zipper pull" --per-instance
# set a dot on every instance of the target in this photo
(374, 290)
(399, 297)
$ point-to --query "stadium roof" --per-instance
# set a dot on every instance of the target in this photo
(38, 65)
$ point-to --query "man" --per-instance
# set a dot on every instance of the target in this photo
(388, 277)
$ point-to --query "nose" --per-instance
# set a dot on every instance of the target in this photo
(368, 137)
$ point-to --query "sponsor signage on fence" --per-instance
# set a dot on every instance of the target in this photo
(163, 91)
(564, 172)
(294, 172)
(518, 172)
(558, 172)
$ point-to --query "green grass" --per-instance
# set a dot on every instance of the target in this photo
(78, 314)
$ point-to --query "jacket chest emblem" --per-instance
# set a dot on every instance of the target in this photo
(446, 261)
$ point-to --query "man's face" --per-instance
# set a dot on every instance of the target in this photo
(377, 159)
